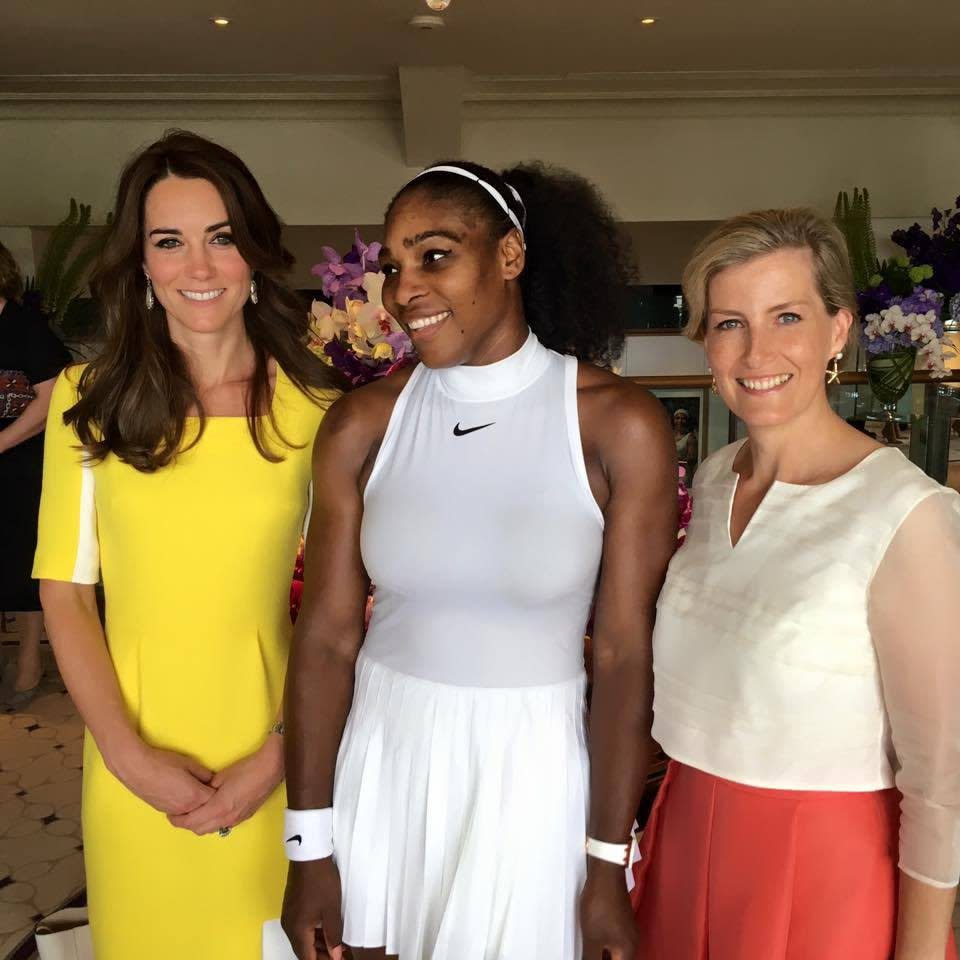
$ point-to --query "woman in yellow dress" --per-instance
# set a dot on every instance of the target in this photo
(178, 469)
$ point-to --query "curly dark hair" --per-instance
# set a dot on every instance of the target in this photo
(134, 397)
(578, 263)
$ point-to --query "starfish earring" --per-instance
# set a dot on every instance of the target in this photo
(833, 370)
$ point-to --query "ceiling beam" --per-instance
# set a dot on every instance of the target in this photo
(432, 103)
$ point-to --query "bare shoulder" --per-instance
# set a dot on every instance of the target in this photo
(616, 408)
(356, 422)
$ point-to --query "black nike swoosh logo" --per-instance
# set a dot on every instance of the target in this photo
(296, 837)
(457, 432)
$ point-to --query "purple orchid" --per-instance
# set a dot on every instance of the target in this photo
(342, 277)
(347, 362)
(362, 341)
(940, 248)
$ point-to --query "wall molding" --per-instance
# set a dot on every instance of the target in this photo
(292, 92)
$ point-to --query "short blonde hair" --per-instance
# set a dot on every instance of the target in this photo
(766, 231)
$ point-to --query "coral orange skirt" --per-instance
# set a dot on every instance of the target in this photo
(731, 872)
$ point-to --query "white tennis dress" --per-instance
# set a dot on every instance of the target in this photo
(461, 788)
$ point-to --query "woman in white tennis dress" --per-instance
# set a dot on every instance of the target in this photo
(490, 494)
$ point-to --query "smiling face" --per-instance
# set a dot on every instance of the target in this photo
(198, 275)
(449, 283)
(769, 337)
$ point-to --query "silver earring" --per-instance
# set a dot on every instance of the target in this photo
(833, 370)
(151, 299)
(253, 292)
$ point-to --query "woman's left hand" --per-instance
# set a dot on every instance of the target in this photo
(606, 917)
(241, 790)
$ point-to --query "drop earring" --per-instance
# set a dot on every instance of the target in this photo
(151, 300)
(254, 298)
(833, 369)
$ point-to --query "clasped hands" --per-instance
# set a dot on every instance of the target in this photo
(198, 799)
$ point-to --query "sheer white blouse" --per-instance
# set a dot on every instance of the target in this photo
(822, 652)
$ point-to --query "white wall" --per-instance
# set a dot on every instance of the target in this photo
(651, 355)
(19, 241)
(669, 160)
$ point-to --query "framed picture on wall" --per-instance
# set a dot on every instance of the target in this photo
(689, 411)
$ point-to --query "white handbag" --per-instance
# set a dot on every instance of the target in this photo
(65, 935)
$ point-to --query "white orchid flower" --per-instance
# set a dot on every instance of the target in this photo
(326, 322)
(373, 284)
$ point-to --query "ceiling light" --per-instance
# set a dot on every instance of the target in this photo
(648, 21)
(220, 21)
(438, 5)
(427, 21)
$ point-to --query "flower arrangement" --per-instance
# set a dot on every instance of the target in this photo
(901, 300)
(296, 585)
(899, 313)
(940, 249)
(685, 505)
(353, 332)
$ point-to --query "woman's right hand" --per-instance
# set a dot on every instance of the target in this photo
(170, 782)
(311, 916)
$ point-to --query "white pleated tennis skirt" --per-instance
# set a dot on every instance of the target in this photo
(460, 817)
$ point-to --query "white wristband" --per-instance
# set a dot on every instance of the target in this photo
(308, 834)
(617, 853)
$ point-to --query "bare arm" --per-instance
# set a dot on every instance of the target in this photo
(326, 642)
(165, 780)
(330, 626)
(638, 454)
(919, 658)
(32, 420)
(924, 919)
(73, 626)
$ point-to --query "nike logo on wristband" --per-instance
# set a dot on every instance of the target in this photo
(296, 837)
(458, 432)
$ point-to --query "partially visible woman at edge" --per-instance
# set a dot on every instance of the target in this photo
(805, 655)
(31, 356)
(178, 469)
(483, 493)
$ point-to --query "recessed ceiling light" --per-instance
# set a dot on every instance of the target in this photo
(438, 5)
(648, 21)
(220, 21)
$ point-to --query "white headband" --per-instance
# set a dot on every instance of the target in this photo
(493, 191)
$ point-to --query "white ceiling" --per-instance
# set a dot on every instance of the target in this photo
(515, 38)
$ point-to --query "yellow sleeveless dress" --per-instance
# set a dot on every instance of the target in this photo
(196, 562)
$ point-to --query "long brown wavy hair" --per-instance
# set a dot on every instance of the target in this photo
(134, 398)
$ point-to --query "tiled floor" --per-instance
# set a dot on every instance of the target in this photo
(41, 859)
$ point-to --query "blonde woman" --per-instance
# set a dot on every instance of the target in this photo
(805, 653)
